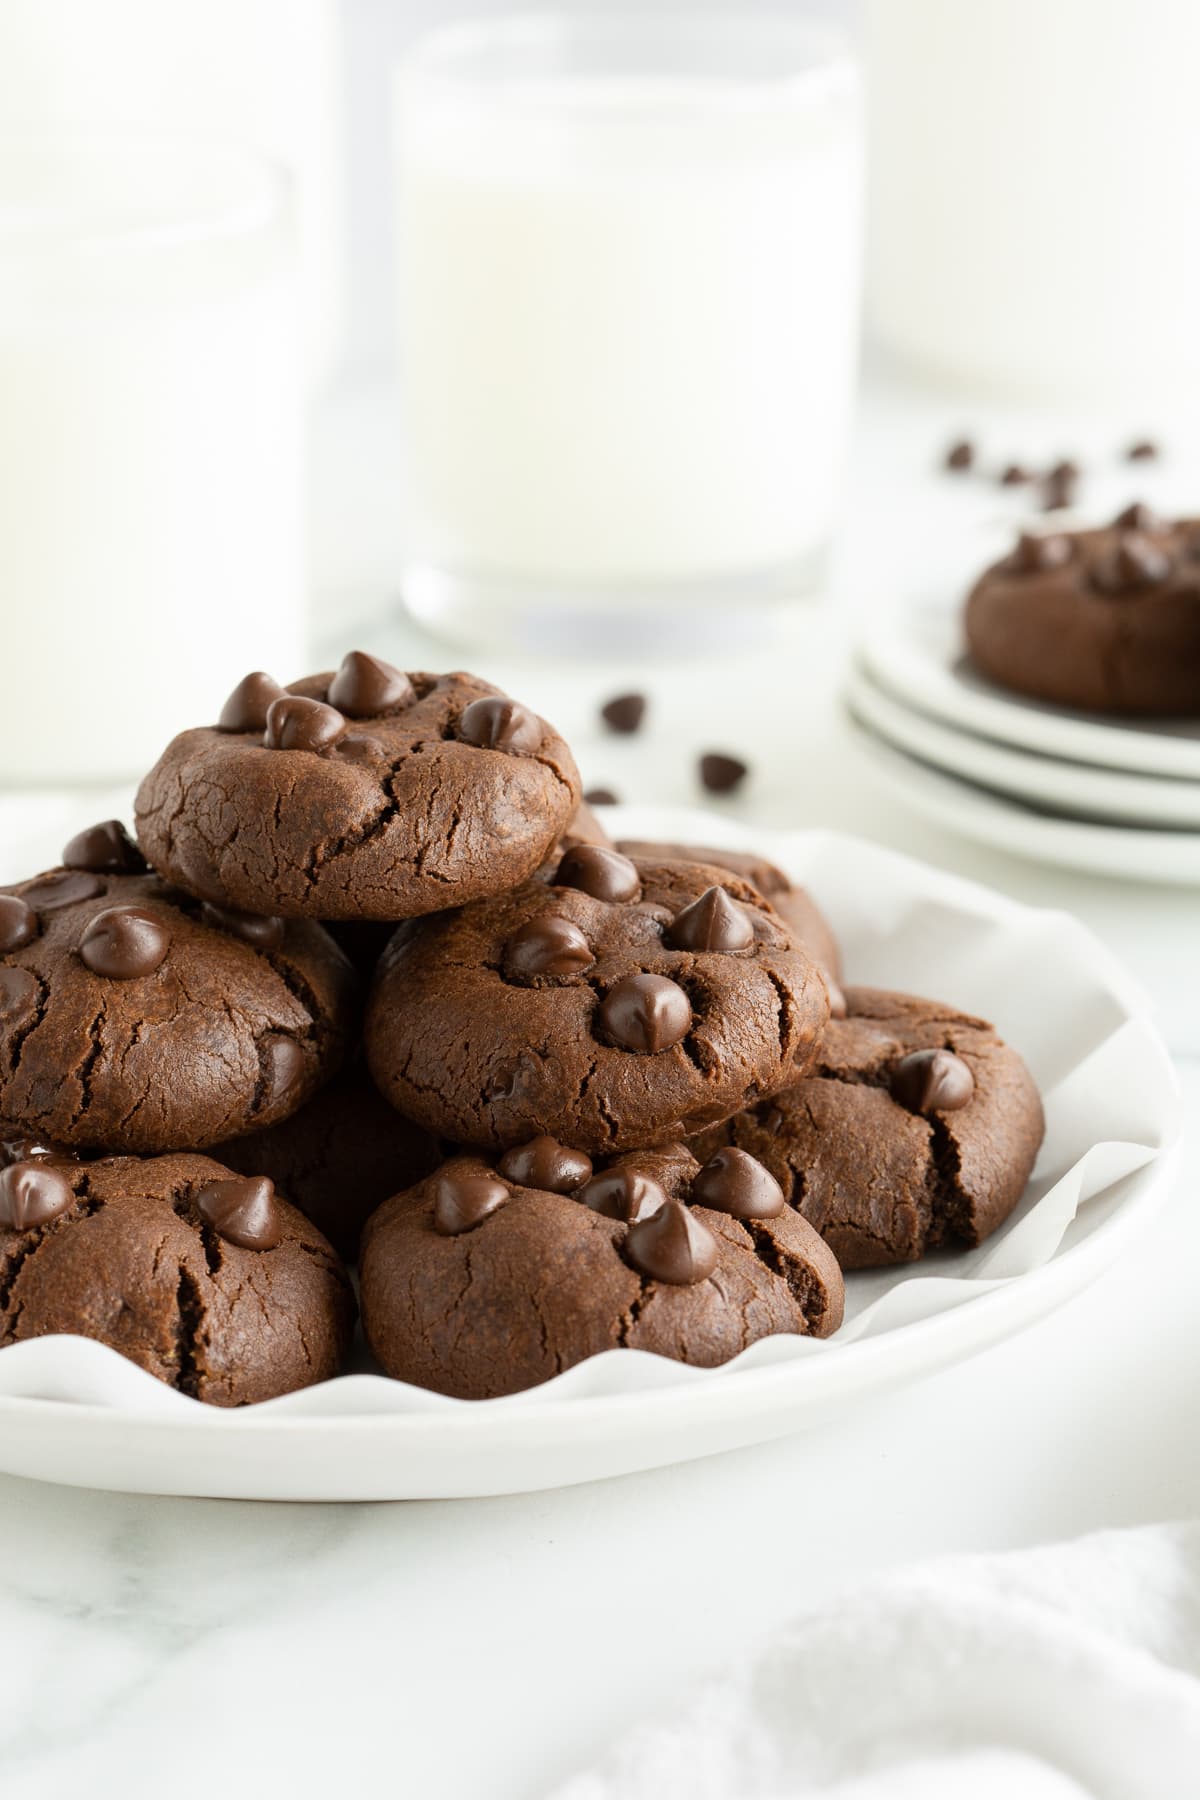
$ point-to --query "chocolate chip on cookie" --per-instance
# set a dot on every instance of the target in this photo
(917, 1128)
(211, 1283)
(129, 1021)
(599, 1007)
(363, 794)
(481, 1280)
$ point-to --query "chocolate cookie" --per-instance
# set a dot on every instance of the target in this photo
(212, 1283)
(618, 1005)
(364, 794)
(133, 1018)
(339, 1157)
(917, 1128)
(794, 904)
(1107, 621)
(495, 1274)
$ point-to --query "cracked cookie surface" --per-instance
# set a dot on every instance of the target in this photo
(359, 815)
(132, 1262)
(108, 1044)
(555, 1009)
(544, 1280)
(881, 1182)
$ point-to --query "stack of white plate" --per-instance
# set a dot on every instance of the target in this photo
(1112, 796)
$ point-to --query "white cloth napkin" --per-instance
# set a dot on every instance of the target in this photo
(1046, 1674)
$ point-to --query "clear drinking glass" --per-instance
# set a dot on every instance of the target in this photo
(150, 443)
(629, 272)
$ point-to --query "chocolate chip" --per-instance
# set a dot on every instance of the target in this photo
(604, 874)
(927, 1081)
(646, 1013)
(601, 797)
(720, 774)
(18, 992)
(623, 1194)
(124, 943)
(259, 929)
(497, 723)
(624, 713)
(242, 1210)
(1015, 475)
(30, 1149)
(295, 723)
(1059, 486)
(1136, 564)
(1139, 517)
(247, 706)
(1037, 553)
(1145, 450)
(31, 1194)
(733, 1182)
(107, 849)
(547, 1165)
(360, 746)
(959, 456)
(672, 1245)
(67, 888)
(510, 1078)
(365, 687)
(283, 1063)
(549, 945)
(713, 922)
(462, 1200)
(18, 923)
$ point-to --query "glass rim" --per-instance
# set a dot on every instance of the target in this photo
(266, 188)
(453, 58)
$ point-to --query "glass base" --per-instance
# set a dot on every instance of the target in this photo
(570, 619)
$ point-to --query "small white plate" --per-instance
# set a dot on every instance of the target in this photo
(1125, 853)
(75, 1412)
(1080, 790)
(916, 653)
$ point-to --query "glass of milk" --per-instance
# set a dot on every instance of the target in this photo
(629, 271)
(150, 444)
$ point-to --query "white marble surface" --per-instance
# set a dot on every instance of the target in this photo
(474, 1649)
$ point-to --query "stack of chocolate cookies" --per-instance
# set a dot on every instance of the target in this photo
(373, 984)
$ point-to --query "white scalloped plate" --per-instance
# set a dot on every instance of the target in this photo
(73, 1411)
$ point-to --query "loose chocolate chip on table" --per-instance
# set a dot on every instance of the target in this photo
(550, 945)
(18, 923)
(243, 1211)
(959, 456)
(720, 774)
(124, 943)
(1060, 486)
(246, 708)
(1137, 563)
(1139, 517)
(646, 1013)
(927, 1081)
(1015, 475)
(600, 797)
(1145, 450)
(672, 1245)
(545, 1164)
(31, 1194)
(623, 1194)
(263, 932)
(107, 849)
(463, 1200)
(604, 874)
(713, 922)
(63, 888)
(295, 723)
(733, 1182)
(497, 723)
(1037, 553)
(365, 687)
(624, 713)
